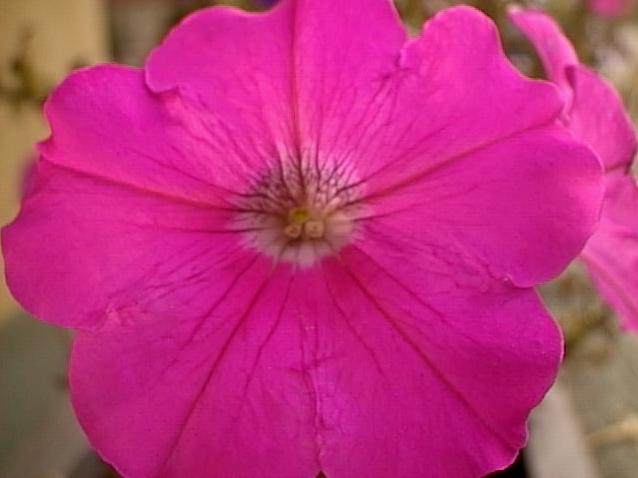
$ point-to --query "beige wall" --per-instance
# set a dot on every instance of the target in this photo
(63, 33)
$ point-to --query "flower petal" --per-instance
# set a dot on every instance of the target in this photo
(488, 168)
(422, 374)
(554, 49)
(599, 119)
(283, 74)
(103, 247)
(611, 254)
(338, 82)
(225, 395)
(417, 108)
(131, 205)
(106, 124)
(524, 206)
(378, 372)
(235, 70)
(596, 117)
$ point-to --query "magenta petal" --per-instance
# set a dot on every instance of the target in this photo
(367, 376)
(380, 104)
(126, 206)
(278, 74)
(554, 50)
(599, 119)
(421, 113)
(412, 374)
(106, 124)
(234, 68)
(611, 254)
(103, 248)
(595, 113)
(294, 74)
(348, 78)
(596, 117)
(527, 217)
(219, 395)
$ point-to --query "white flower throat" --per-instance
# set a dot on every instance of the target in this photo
(301, 211)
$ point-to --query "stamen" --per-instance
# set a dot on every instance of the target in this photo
(293, 231)
(299, 215)
(306, 212)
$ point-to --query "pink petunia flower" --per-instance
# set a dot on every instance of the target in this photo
(596, 116)
(301, 241)
(611, 8)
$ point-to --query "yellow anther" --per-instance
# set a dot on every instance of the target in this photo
(299, 215)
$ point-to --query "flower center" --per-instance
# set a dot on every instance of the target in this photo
(300, 213)
(305, 223)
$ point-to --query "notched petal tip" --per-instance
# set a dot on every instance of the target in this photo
(209, 18)
(462, 16)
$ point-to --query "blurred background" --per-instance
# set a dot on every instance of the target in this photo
(586, 428)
